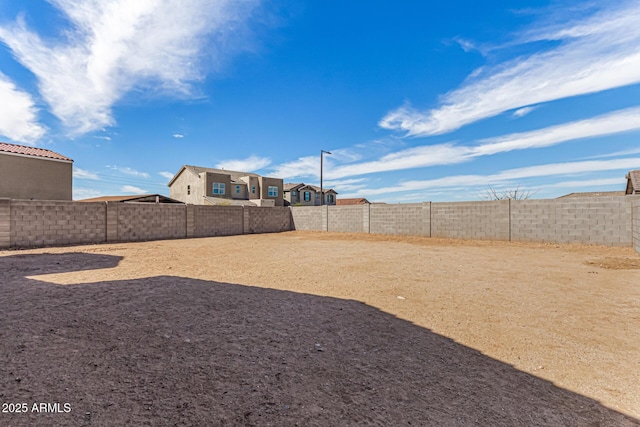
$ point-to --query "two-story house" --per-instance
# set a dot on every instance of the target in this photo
(207, 186)
(34, 173)
(307, 195)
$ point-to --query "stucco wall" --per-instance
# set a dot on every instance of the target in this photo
(27, 177)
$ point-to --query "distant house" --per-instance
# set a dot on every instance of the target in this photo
(593, 194)
(633, 182)
(356, 201)
(307, 195)
(145, 198)
(34, 173)
(207, 186)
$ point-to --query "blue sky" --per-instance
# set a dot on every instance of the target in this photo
(416, 100)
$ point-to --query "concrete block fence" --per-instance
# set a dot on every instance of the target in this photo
(593, 220)
(613, 221)
(32, 223)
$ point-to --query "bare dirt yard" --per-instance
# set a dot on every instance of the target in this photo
(323, 329)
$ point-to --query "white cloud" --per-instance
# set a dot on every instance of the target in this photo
(83, 174)
(18, 120)
(595, 54)
(129, 171)
(509, 175)
(249, 164)
(178, 135)
(132, 189)
(80, 193)
(167, 175)
(606, 124)
(521, 112)
(112, 47)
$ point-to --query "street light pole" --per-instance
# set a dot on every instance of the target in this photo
(321, 191)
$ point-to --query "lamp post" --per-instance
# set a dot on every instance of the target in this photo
(322, 152)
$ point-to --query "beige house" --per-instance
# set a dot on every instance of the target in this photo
(307, 195)
(197, 185)
(34, 173)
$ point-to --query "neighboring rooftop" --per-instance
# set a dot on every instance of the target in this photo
(31, 151)
(594, 194)
(633, 182)
(356, 201)
(197, 170)
(144, 198)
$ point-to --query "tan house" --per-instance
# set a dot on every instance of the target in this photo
(633, 182)
(307, 195)
(197, 185)
(34, 173)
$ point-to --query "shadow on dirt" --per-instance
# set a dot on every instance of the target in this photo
(177, 351)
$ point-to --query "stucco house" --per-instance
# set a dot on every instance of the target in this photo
(307, 195)
(197, 185)
(34, 173)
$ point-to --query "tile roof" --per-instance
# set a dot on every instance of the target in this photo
(148, 198)
(31, 151)
(357, 201)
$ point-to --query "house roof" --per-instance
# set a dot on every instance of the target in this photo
(144, 198)
(593, 194)
(300, 186)
(31, 151)
(197, 170)
(633, 183)
(356, 201)
(292, 187)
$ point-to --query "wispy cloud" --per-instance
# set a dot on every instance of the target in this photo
(128, 171)
(521, 112)
(132, 189)
(112, 47)
(178, 135)
(18, 114)
(167, 175)
(80, 193)
(597, 53)
(547, 170)
(83, 174)
(249, 164)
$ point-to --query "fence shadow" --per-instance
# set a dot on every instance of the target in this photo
(177, 351)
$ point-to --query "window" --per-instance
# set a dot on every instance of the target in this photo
(237, 189)
(307, 196)
(293, 193)
(317, 195)
(253, 189)
(273, 191)
(329, 198)
(188, 190)
(218, 188)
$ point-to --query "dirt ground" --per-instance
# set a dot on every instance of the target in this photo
(307, 328)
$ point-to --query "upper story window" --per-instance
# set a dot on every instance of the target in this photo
(237, 189)
(273, 191)
(253, 189)
(307, 196)
(293, 193)
(329, 198)
(188, 190)
(219, 188)
(317, 195)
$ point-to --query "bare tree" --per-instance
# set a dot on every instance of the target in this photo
(507, 194)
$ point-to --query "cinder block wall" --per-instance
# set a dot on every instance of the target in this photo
(43, 223)
(636, 225)
(267, 219)
(471, 220)
(145, 221)
(592, 220)
(308, 218)
(407, 219)
(347, 219)
(217, 220)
